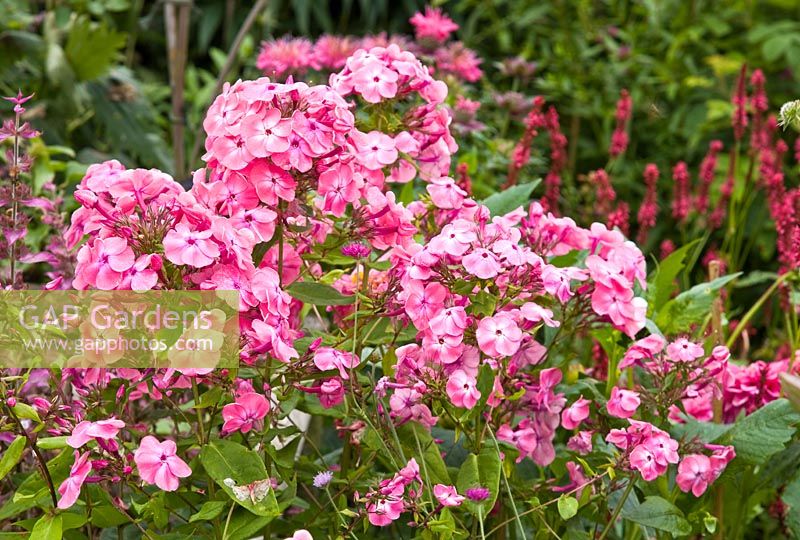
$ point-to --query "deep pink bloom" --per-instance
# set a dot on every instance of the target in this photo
(158, 463)
(182, 245)
(383, 512)
(246, 413)
(572, 416)
(433, 25)
(644, 461)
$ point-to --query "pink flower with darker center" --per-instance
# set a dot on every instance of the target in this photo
(462, 390)
(694, 473)
(183, 245)
(683, 350)
(248, 411)
(499, 335)
(622, 403)
(326, 359)
(445, 193)
(374, 150)
(158, 463)
(482, 263)
(266, 133)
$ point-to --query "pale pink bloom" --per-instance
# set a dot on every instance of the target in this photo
(511, 252)
(331, 392)
(231, 152)
(158, 463)
(524, 438)
(683, 350)
(327, 358)
(374, 150)
(499, 335)
(535, 313)
(374, 81)
(144, 273)
(663, 447)
(406, 404)
(576, 480)
(318, 136)
(338, 187)
(622, 403)
(451, 322)
(246, 413)
(298, 156)
(447, 495)
(482, 263)
(445, 193)
(86, 431)
(70, 488)
(433, 25)
(462, 390)
(694, 473)
(103, 263)
(423, 304)
(641, 350)
(444, 349)
(266, 133)
(572, 416)
(182, 245)
(455, 238)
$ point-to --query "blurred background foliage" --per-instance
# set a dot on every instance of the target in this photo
(100, 68)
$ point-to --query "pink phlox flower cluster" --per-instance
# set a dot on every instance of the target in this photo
(385, 504)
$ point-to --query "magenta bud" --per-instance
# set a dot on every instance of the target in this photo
(12, 402)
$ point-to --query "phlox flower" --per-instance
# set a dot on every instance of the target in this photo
(338, 187)
(327, 358)
(524, 438)
(462, 390)
(445, 193)
(683, 350)
(301, 534)
(572, 416)
(70, 488)
(374, 150)
(433, 24)
(447, 495)
(103, 262)
(450, 322)
(158, 463)
(535, 313)
(266, 133)
(183, 245)
(246, 413)
(499, 335)
(272, 183)
(384, 511)
(455, 238)
(86, 431)
(374, 81)
(581, 442)
(694, 472)
(622, 403)
(644, 460)
(482, 263)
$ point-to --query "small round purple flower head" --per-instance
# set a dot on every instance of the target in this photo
(322, 479)
(477, 494)
(356, 250)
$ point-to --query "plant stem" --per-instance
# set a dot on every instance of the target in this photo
(754, 309)
(617, 510)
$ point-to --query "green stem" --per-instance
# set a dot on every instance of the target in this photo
(754, 309)
(617, 510)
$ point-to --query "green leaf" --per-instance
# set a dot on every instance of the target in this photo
(91, 48)
(52, 443)
(318, 294)
(567, 507)
(661, 284)
(430, 457)
(482, 470)
(226, 460)
(765, 432)
(791, 498)
(659, 514)
(23, 410)
(208, 511)
(11, 456)
(691, 307)
(510, 199)
(47, 528)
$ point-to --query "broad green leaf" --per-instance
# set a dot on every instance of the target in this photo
(482, 470)
(659, 514)
(791, 498)
(661, 284)
(33, 491)
(765, 432)
(510, 199)
(430, 456)
(691, 307)
(47, 528)
(12, 455)
(244, 525)
(318, 294)
(567, 507)
(72, 520)
(227, 461)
